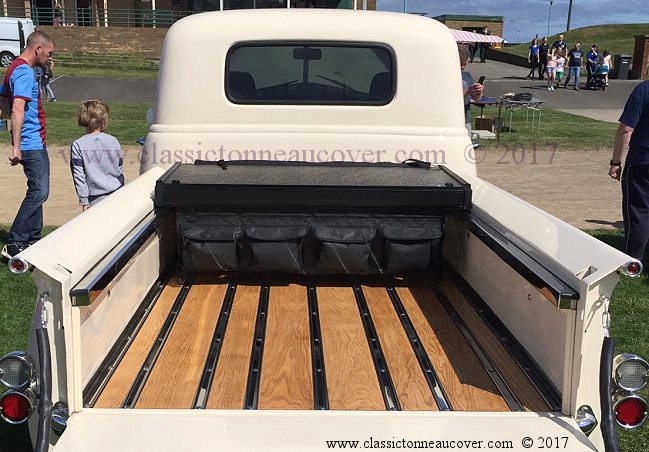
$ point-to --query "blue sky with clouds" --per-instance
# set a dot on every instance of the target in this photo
(530, 17)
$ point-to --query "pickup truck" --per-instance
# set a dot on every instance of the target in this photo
(309, 261)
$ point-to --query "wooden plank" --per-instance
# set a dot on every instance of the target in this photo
(463, 377)
(352, 383)
(229, 385)
(520, 385)
(286, 371)
(119, 384)
(409, 382)
(175, 377)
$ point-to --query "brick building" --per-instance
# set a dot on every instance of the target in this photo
(476, 24)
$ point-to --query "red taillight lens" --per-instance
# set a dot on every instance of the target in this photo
(15, 407)
(18, 265)
(632, 268)
(631, 412)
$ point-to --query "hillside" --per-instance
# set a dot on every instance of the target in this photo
(614, 38)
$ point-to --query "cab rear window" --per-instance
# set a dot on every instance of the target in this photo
(310, 73)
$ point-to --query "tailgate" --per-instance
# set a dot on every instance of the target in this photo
(216, 430)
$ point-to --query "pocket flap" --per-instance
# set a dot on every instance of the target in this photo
(276, 233)
(344, 234)
(224, 232)
(424, 231)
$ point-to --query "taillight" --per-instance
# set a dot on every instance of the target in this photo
(630, 372)
(630, 410)
(632, 269)
(17, 406)
(17, 370)
(18, 265)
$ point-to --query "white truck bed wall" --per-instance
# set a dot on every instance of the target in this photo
(63, 257)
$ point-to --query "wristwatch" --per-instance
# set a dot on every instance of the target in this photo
(612, 163)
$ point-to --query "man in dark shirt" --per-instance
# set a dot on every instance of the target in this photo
(633, 133)
(591, 63)
(560, 44)
(544, 49)
(574, 65)
(484, 46)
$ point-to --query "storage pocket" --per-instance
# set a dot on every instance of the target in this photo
(412, 245)
(276, 247)
(211, 248)
(347, 249)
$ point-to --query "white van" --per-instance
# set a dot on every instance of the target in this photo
(13, 36)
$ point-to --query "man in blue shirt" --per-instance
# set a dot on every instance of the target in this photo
(633, 133)
(19, 94)
(591, 63)
(574, 65)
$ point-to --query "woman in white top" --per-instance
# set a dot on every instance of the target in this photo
(606, 61)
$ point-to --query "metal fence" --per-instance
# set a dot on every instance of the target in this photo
(98, 17)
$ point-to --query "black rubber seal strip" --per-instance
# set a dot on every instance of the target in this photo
(606, 388)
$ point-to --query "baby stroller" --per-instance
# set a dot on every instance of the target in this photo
(598, 81)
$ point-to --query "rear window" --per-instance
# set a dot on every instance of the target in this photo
(310, 73)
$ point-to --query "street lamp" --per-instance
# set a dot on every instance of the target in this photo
(569, 15)
(549, 16)
(518, 31)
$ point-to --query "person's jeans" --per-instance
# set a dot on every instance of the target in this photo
(28, 224)
(571, 71)
(591, 68)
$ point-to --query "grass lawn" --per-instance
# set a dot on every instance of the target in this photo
(104, 66)
(558, 130)
(629, 310)
(614, 38)
(127, 122)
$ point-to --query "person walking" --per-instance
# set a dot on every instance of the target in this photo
(20, 95)
(551, 68)
(473, 47)
(591, 64)
(633, 134)
(484, 46)
(46, 89)
(561, 61)
(574, 65)
(560, 44)
(533, 57)
(544, 50)
(607, 63)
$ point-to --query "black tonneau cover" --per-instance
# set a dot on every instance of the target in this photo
(411, 185)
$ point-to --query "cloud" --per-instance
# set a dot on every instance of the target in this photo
(531, 16)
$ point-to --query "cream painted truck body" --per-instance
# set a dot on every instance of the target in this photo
(194, 119)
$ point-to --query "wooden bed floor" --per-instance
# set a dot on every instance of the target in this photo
(331, 343)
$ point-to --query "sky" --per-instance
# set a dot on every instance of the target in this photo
(526, 18)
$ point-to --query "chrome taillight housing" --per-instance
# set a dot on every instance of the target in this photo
(630, 372)
(17, 406)
(17, 370)
(630, 410)
(632, 269)
(17, 373)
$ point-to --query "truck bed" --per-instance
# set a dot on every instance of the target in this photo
(253, 342)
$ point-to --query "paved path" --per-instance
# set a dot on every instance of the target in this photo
(603, 105)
